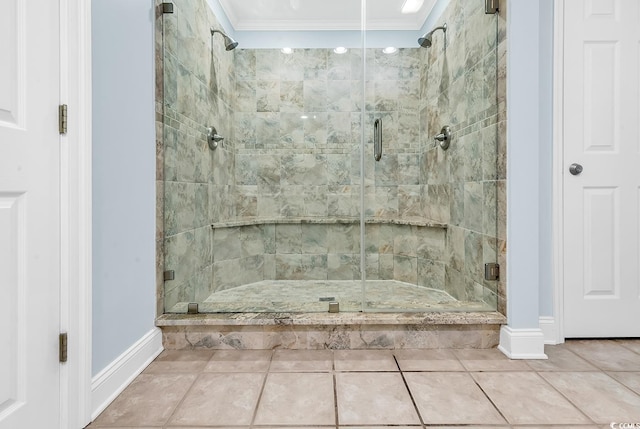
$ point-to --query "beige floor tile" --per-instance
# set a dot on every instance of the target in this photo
(382, 427)
(489, 360)
(471, 427)
(93, 426)
(148, 401)
(607, 355)
(180, 361)
(364, 360)
(631, 344)
(561, 359)
(526, 398)
(629, 379)
(373, 399)
(599, 396)
(239, 361)
(220, 399)
(451, 398)
(297, 399)
(302, 360)
(557, 427)
(428, 360)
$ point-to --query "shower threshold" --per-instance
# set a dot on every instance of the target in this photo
(309, 296)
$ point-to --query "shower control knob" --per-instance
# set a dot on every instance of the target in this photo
(575, 169)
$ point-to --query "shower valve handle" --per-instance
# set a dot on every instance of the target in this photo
(444, 137)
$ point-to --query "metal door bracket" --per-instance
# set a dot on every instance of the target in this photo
(491, 271)
(167, 7)
(491, 7)
(62, 119)
(62, 341)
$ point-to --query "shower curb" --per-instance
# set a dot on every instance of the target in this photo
(331, 331)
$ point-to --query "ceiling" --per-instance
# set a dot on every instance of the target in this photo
(315, 15)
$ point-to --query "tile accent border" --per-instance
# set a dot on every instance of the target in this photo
(522, 343)
(112, 380)
(415, 221)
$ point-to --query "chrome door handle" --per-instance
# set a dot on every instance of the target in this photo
(575, 169)
(377, 139)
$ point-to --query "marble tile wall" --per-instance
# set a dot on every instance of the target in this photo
(197, 86)
(298, 124)
(462, 85)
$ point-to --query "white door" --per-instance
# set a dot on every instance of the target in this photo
(601, 133)
(29, 214)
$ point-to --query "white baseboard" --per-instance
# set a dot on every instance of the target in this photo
(549, 330)
(522, 343)
(112, 380)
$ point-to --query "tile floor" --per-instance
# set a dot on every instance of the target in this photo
(584, 384)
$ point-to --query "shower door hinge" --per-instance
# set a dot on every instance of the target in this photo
(491, 271)
(491, 7)
(63, 347)
(62, 119)
(167, 7)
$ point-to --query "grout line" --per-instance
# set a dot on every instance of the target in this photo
(406, 385)
(181, 401)
(335, 399)
(489, 398)
(565, 396)
(264, 383)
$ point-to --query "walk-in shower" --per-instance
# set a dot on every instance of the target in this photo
(305, 203)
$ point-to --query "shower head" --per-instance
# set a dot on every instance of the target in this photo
(229, 43)
(425, 40)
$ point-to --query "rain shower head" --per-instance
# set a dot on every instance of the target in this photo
(229, 43)
(425, 40)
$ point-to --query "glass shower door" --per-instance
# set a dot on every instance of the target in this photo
(430, 206)
(267, 218)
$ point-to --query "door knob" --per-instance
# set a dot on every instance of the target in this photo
(575, 169)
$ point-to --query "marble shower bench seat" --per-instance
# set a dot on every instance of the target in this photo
(247, 221)
(337, 331)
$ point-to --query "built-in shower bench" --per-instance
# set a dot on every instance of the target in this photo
(430, 330)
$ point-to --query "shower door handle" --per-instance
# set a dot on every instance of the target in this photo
(377, 139)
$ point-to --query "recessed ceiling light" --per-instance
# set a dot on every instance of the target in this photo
(389, 50)
(286, 50)
(340, 50)
(411, 6)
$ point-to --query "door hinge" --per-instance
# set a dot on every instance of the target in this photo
(491, 271)
(63, 347)
(62, 119)
(491, 7)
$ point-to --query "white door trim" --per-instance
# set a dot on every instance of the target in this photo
(75, 206)
(558, 144)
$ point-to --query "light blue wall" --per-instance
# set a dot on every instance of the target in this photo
(529, 192)
(123, 176)
(546, 157)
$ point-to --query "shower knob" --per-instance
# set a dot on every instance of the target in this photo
(213, 138)
(575, 169)
(444, 137)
